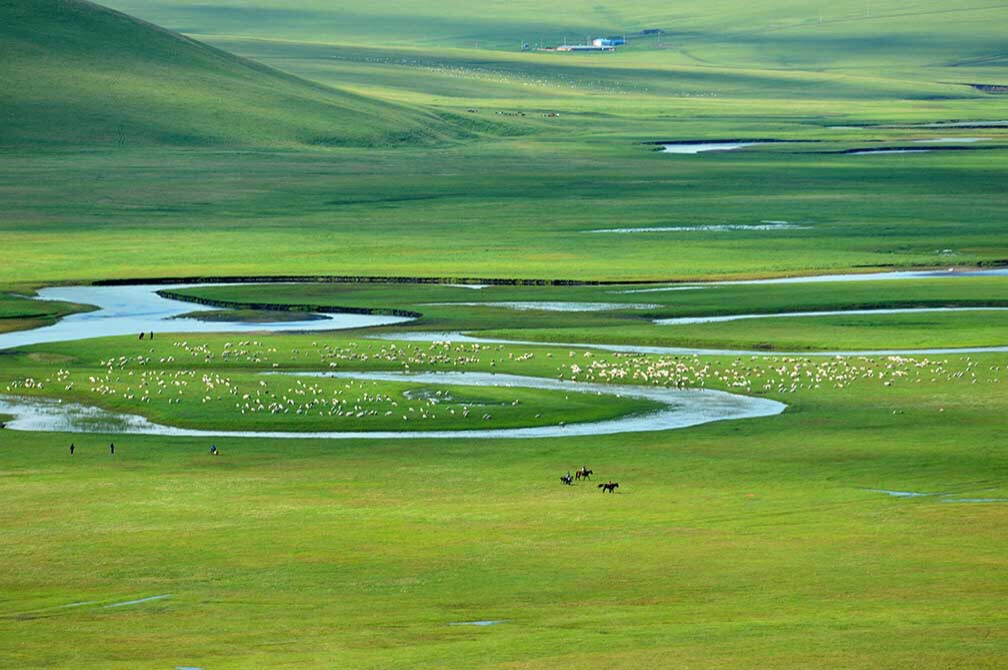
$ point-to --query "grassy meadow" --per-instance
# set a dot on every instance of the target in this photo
(743, 543)
(861, 528)
(356, 155)
(504, 209)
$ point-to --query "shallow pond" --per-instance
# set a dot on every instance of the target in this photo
(701, 147)
(865, 152)
(870, 276)
(960, 124)
(951, 140)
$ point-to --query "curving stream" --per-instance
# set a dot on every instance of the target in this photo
(127, 310)
(132, 309)
(680, 351)
(682, 408)
(689, 320)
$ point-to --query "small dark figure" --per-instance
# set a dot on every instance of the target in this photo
(151, 335)
(141, 336)
(610, 487)
(213, 449)
(72, 448)
(112, 448)
(567, 479)
(584, 473)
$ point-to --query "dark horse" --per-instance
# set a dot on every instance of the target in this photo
(609, 488)
(583, 473)
(567, 479)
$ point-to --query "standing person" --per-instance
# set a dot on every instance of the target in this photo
(152, 335)
(112, 448)
(141, 335)
(72, 448)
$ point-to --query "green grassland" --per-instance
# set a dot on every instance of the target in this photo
(199, 162)
(744, 544)
(316, 138)
(79, 74)
(500, 210)
(844, 34)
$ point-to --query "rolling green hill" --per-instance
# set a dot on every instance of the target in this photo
(76, 73)
(698, 58)
(844, 34)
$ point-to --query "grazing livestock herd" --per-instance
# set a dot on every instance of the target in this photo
(180, 375)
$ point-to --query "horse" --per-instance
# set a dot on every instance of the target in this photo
(567, 479)
(583, 472)
(609, 488)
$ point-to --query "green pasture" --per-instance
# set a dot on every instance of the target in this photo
(82, 75)
(333, 152)
(841, 35)
(508, 209)
(164, 383)
(266, 138)
(743, 543)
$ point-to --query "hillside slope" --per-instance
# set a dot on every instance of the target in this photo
(792, 34)
(75, 73)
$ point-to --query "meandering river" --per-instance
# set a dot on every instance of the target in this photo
(682, 408)
(130, 310)
(127, 310)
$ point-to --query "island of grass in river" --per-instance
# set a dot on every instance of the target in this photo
(635, 326)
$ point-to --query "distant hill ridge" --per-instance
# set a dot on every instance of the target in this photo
(76, 73)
